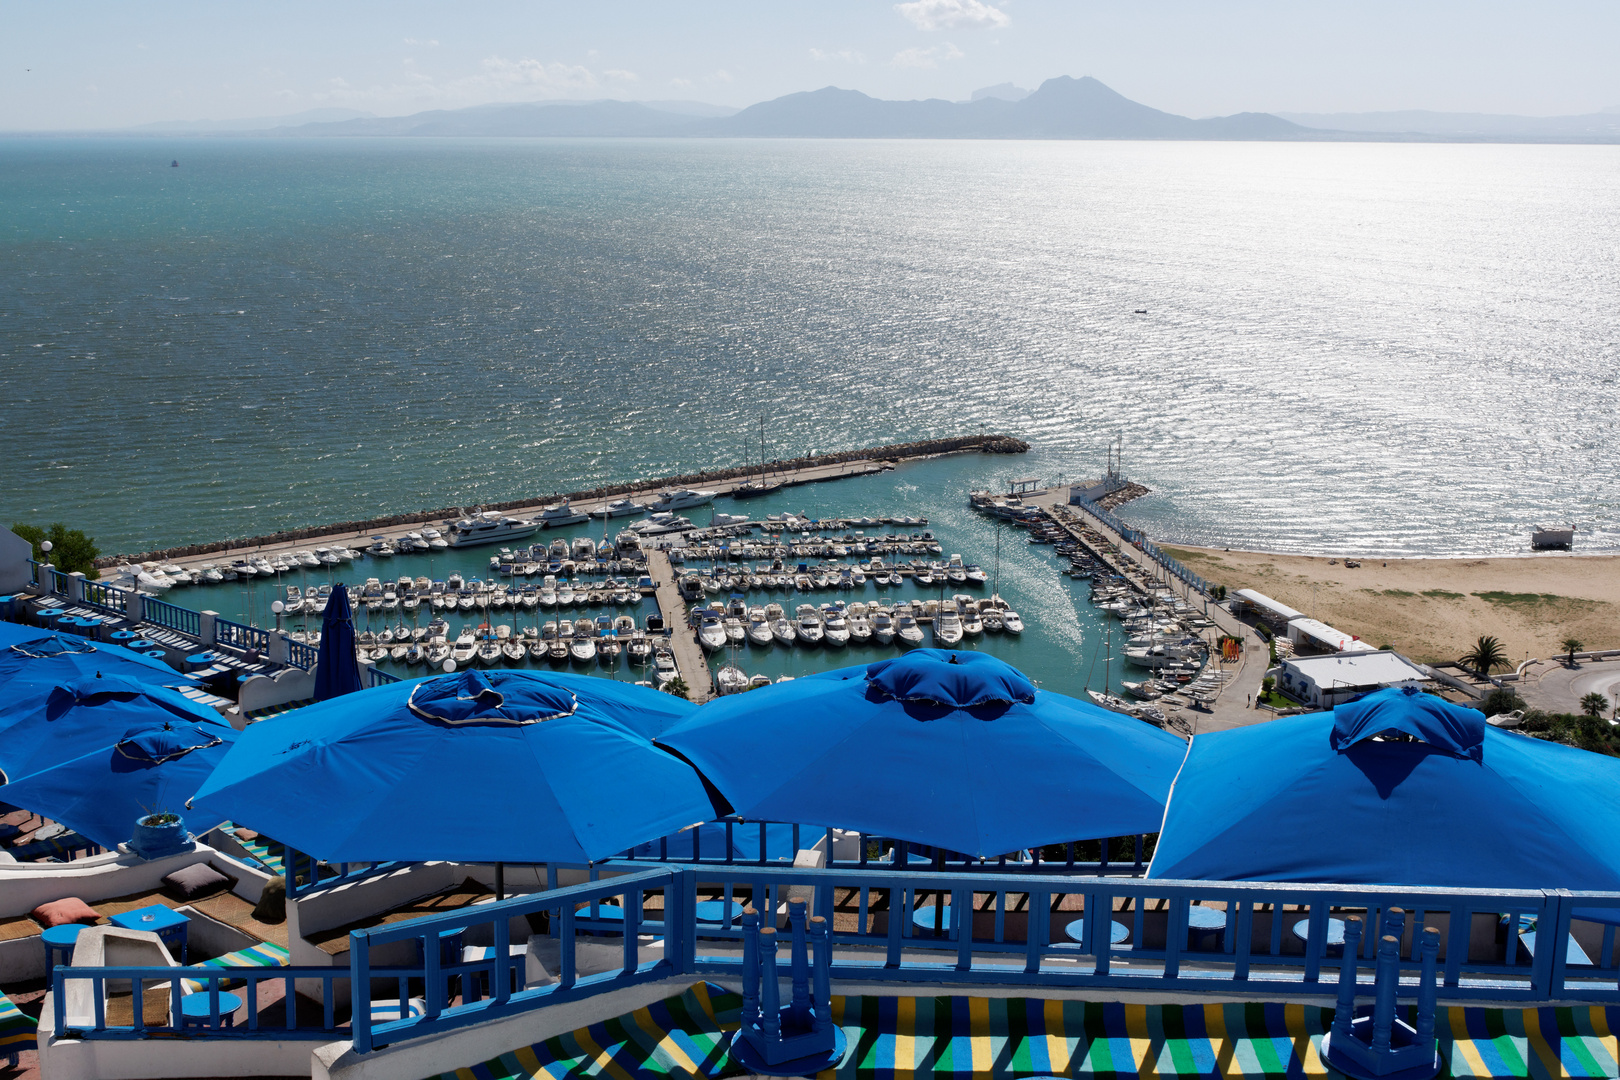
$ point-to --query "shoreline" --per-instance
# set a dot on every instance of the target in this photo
(1434, 608)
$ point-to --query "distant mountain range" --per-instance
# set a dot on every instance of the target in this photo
(1062, 108)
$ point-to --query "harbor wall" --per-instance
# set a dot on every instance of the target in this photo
(895, 452)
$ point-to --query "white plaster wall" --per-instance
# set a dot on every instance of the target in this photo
(15, 573)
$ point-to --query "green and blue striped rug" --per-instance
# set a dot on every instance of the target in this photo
(904, 1038)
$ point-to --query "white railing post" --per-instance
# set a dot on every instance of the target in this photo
(207, 631)
(76, 586)
(278, 647)
(135, 606)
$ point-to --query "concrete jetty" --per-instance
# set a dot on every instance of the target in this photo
(683, 642)
(1231, 707)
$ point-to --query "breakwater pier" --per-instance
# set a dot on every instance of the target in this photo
(819, 468)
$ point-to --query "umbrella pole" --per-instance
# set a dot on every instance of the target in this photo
(500, 881)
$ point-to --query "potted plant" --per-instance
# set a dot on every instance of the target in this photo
(158, 834)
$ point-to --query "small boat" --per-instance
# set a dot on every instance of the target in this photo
(711, 632)
(514, 650)
(883, 627)
(947, 628)
(759, 628)
(683, 499)
(754, 488)
(731, 679)
(758, 681)
(835, 628)
(489, 652)
(1011, 621)
(582, 650)
(908, 629)
(664, 666)
(810, 628)
(784, 633)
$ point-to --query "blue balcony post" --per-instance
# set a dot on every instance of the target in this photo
(799, 962)
(770, 998)
(359, 991)
(503, 961)
(1385, 988)
(1346, 1009)
(821, 938)
(750, 968)
(1427, 991)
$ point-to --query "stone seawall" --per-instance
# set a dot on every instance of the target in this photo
(962, 444)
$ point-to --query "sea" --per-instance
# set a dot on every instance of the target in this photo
(1367, 349)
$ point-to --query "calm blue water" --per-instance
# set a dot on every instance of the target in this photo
(1370, 349)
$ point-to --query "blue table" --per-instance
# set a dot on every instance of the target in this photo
(197, 1010)
(926, 918)
(1118, 932)
(169, 925)
(1205, 920)
(123, 637)
(60, 939)
(714, 911)
(1335, 935)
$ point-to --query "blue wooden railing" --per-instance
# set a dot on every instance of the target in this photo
(171, 617)
(238, 636)
(108, 598)
(1271, 939)
(1268, 940)
(300, 655)
(275, 1022)
(381, 678)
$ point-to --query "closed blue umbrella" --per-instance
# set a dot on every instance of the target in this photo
(503, 766)
(1398, 788)
(337, 668)
(48, 725)
(152, 766)
(953, 749)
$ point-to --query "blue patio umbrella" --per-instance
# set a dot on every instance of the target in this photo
(99, 786)
(337, 668)
(501, 766)
(1443, 799)
(953, 749)
(31, 658)
(709, 841)
(48, 725)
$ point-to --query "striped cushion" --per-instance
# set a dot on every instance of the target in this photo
(384, 1011)
(17, 1028)
(264, 954)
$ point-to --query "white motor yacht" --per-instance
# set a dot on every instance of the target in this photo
(835, 628)
(947, 627)
(620, 508)
(435, 539)
(908, 629)
(731, 679)
(1011, 622)
(883, 627)
(489, 527)
(465, 648)
(664, 666)
(784, 633)
(759, 629)
(559, 514)
(711, 632)
(809, 627)
(683, 499)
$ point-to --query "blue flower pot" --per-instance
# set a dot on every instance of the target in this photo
(156, 841)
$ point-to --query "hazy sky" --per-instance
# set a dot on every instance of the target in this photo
(113, 63)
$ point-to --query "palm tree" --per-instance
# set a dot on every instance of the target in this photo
(1572, 645)
(1486, 654)
(1593, 704)
(676, 686)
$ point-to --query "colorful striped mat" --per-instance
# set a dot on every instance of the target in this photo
(17, 1029)
(903, 1038)
(264, 954)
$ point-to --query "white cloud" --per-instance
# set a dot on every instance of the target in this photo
(842, 56)
(926, 58)
(620, 75)
(429, 42)
(947, 14)
(556, 77)
(720, 76)
(681, 84)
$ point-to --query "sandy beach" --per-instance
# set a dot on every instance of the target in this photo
(1434, 609)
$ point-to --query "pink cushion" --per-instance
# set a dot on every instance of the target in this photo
(67, 910)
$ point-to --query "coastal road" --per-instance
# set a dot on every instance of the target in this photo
(1550, 686)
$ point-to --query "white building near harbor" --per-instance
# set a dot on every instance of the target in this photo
(1326, 681)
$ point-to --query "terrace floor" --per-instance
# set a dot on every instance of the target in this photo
(916, 1037)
